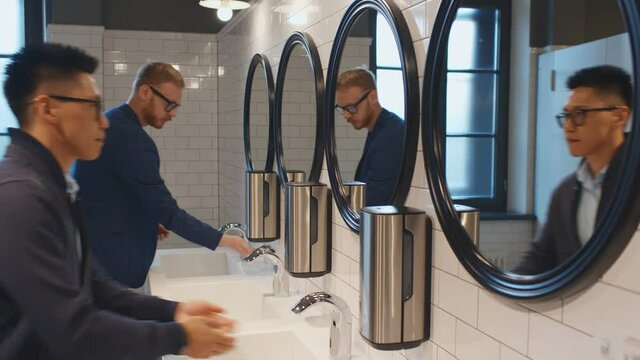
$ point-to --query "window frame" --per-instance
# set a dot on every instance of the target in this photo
(373, 55)
(498, 202)
(35, 15)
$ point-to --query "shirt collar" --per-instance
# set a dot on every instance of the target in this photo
(72, 186)
(583, 174)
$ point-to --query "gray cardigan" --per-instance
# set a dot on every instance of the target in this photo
(558, 239)
(53, 305)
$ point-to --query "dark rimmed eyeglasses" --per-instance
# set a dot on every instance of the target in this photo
(171, 105)
(352, 108)
(579, 116)
(96, 102)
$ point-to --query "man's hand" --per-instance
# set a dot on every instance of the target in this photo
(237, 243)
(203, 308)
(163, 233)
(204, 339)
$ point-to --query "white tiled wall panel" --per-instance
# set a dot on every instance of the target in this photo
(467, 321)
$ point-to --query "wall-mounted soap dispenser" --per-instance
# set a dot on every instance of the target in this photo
(355, 193)
(470, 220)
(308, 229)
(295, 176)
(262, 206)
(395, 277)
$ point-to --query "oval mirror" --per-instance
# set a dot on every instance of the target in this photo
(299, 110)
(371, 107)
(258, 108)
(529, 141)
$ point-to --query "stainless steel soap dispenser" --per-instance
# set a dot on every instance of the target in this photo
(395, 277)
(355, 193)
(307, 236)
(295, 175)
(262, 205)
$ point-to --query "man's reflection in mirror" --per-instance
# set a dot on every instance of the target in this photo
(593, 121)
(380, 164)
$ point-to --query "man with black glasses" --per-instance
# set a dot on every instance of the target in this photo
(593, 121)
(127, 204)
(54, 304)
(380, 164)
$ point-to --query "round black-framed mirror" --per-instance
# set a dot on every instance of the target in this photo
(399, 31)
(300, 42)
(611, 234)
(259, 60)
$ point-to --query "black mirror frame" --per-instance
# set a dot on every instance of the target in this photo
(609, 239)
(258, 59)
(397, 22)
(300, 39)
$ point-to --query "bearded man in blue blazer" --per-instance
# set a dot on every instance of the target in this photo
(125, 199)
(380, 164)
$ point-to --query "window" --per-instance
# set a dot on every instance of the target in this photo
(21, 22)
(12, 28)
(387, 68)
(476, 103)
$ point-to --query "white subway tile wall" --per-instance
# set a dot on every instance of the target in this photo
(467, 321)
(188, 145)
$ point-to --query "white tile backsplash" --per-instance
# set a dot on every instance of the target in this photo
(551, 340)
(503, 320)
(472, 344)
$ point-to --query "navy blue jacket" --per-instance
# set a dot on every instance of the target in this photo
(52, 305)
(124, 199)
(381, 160)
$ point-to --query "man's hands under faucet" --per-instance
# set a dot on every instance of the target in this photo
(205, 338)
(212, 311)
(207, 331)
(237, 243)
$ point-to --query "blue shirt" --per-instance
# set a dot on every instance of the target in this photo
(381, 161)
(124, 199)
(589, 200)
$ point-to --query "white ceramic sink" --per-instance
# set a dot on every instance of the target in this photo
(241, 298)
(183, 263)
(273, 345)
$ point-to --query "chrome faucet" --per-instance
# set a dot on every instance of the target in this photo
(340, 330)
(233, 225)
(280, 280)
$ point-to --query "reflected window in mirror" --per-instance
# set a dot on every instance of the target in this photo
(476, 101)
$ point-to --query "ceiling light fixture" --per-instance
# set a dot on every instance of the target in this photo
(224, 7)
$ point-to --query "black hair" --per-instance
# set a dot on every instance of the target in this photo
(37, 64)
(605, 78)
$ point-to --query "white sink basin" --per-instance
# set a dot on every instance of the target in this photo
(183, 263)
(275, 345)
(241, 298)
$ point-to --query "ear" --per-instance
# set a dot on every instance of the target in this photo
(622, 117)
(46, 109)
(144, 92)
(374, 96)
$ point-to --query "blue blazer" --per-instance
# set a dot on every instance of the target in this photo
(124, 199)
(381, 160)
